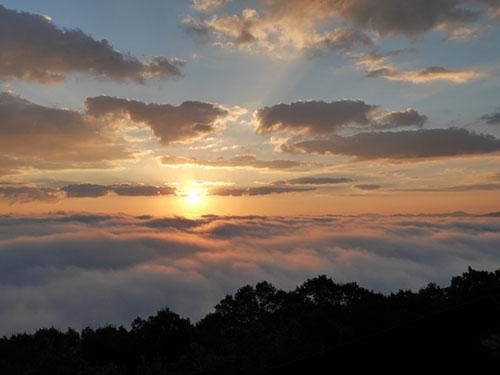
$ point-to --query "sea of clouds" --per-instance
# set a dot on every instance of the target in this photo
(76, 269)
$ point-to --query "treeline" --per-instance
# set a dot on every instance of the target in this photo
(256, 328)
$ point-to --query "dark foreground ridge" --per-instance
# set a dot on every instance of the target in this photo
(320, 327)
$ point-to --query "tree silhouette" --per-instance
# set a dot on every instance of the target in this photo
(261, 327)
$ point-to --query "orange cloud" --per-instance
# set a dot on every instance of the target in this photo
(431, 74)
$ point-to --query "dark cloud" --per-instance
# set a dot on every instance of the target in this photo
(85, 190)
(492, 118)
(407, 17)
(314, 117)
(49, 138)
(187, 122)
(435, 73)
(27, 194)
(240, 161)
(95, 191)
(423, 143)
(253, 191)
(32, 48)
(197, 27)
(313, 181)
(143, 190)
(367, 187)
(396, 119)
(340, 40)
(55, 269)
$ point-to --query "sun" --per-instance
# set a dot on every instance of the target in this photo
(194, 196)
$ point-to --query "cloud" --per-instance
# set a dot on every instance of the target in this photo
(55, 269)
(422, 143)
(396, 119)
(34, 136)
(278, 25)
(23, 194)
(27, 194)
(435, 73)
(206, 5)
(340, 40)
(313, 117)
(85, 190)
(143, 190)
(314, 181)
(318, 117)
(375, 58)
(492, 118)
(274, 32)
(253, 191)
(444, 189)
(241, 161)
(32, 48)
(95, 191)
(11, 166)
(367, 187)
(184, 123)
(407, 17)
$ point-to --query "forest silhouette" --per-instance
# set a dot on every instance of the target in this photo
(260, 329)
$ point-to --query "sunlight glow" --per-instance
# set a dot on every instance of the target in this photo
(194, 196)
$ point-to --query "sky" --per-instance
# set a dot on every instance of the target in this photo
(139, 142)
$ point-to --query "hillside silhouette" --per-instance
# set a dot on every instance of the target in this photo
(261, 329)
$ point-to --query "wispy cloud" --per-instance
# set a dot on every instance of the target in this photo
(254, 191)
(435, 73)
(314, 181)
(241, 161)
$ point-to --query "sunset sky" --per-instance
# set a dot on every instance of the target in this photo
(216, 128)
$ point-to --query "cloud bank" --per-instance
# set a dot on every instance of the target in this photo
(419, 144)
(25, 194)
(32, 48)
(81, 269)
